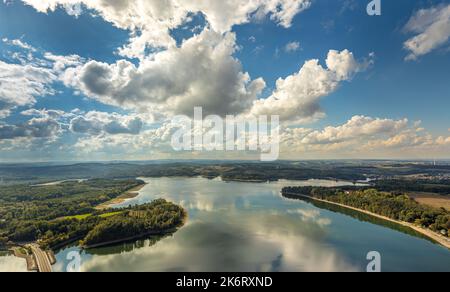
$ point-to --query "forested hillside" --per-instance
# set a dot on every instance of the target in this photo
(29, 213)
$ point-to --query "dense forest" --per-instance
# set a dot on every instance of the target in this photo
(156, 217)
(441, 187)
(394, 205)
(29, 213)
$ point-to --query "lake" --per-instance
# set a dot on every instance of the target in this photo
(10, 263)
(238, 226)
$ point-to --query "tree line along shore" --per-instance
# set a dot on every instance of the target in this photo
(395, 207)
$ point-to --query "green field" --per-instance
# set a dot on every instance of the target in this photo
(84, 216)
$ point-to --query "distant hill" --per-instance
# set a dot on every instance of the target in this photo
(351, 170)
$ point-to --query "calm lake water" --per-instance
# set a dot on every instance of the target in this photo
(249, 227)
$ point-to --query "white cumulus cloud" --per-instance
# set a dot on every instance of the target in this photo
(96, 123)
(34, 128)
(25, 78)
(432, 27)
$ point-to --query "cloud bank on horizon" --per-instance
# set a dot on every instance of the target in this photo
(182, 54)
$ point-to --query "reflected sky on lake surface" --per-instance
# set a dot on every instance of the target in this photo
(10, 263)
(249, 227)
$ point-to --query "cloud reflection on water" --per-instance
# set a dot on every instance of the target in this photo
(253, 242)
(231, 227)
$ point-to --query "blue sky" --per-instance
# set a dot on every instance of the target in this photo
(393, 88)
(384, 87)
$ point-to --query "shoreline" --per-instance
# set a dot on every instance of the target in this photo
(130, 194)
(445, 242)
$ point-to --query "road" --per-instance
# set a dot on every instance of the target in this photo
(42, 260)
